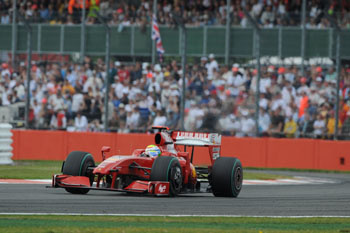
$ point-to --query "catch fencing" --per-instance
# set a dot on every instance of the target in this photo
(136, 41)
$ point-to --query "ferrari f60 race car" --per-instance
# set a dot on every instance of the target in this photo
(168, 174)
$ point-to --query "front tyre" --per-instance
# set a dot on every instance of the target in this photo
(167, 168)
(77, 164)
(227, 177)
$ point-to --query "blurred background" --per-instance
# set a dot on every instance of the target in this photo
(244, 68)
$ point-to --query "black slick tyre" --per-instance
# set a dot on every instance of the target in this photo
(227, 177)
(77, 164)
(167, 168)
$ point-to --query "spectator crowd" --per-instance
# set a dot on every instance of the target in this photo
(268, 13)
(218, 98)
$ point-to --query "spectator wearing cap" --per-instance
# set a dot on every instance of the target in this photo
(118, 87)
(303, 104)
(122, 112)
(204, 63)
(318, 71)
(165, 94)
(213, 64)
(265, 83)
(317, 83)
(5, 70)
(44, 115)
(159, 77)
(281, 75)
(153, 86)
(174, 88)
(303, 86)
(236, 81)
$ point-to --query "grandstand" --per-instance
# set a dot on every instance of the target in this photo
(290, 92)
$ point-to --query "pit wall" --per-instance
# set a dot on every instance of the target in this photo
(253, 152)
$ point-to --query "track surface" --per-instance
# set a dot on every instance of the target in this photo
(267, 200)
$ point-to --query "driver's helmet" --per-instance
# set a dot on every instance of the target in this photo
(152, 151)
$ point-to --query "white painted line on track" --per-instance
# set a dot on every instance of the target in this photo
(181, 215)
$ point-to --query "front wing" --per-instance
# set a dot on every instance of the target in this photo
(156, 188)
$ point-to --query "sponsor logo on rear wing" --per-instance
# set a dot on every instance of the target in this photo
(196, 139)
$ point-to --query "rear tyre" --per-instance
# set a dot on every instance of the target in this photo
(227, 177)
(77, 164)
(167, 168)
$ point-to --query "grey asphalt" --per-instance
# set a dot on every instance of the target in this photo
(266, 200)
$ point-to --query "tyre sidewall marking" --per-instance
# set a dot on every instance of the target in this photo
(167, 174)
(233, 187)
(82, 162)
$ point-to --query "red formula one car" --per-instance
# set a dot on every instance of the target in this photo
(167, 174)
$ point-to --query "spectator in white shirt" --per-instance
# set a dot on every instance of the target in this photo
(160, 119)
(319, 126)
(247, 124)
(213, 64)
(80, 123)
(264, 121)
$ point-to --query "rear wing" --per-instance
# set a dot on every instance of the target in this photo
(210, 140)
(196, 139)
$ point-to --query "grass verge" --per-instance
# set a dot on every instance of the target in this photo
(42, 169)
(54, 223)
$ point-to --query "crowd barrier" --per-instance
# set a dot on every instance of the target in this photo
(253, 152)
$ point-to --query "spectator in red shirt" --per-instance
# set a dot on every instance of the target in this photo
(123, 74)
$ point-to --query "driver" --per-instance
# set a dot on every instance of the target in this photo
(152, 151)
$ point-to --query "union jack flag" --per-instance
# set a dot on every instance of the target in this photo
(156, 37)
